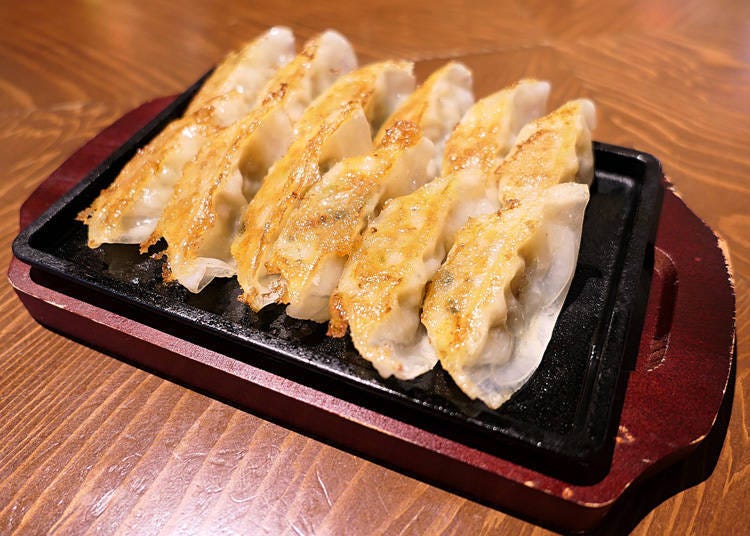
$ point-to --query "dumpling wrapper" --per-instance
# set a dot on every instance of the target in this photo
(127, 211)
(436, 106)
(247, 70)
(339, 124)
(488, 131)
(318, 238)
(551, 150)
(550, 154)
(380, 291)
(202, 216)
(324, 229)
(492, 307)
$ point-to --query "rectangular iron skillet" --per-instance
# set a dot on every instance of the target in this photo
(561, 422)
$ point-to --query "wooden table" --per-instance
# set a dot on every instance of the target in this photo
(91, 443)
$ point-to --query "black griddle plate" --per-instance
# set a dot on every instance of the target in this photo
(562, 421)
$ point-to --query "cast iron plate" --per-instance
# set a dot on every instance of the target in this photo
(565, 413)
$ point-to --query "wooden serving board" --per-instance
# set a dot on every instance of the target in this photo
(671, 400)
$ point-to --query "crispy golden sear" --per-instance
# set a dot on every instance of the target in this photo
(279, 194)
(551, 150)
(207, 203)
(201, 216)
(488, 130)
(445, 83)
(490, 310)
(483, 262)
(247, 69)
(127, 210)
(323, 231)
(382, 286)
(330, 130)
(384, 267)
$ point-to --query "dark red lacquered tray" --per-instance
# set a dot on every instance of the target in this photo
(671, 398)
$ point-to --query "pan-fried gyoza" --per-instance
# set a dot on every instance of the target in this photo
(428, 227)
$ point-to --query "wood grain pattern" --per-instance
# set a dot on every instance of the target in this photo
(93, 444)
